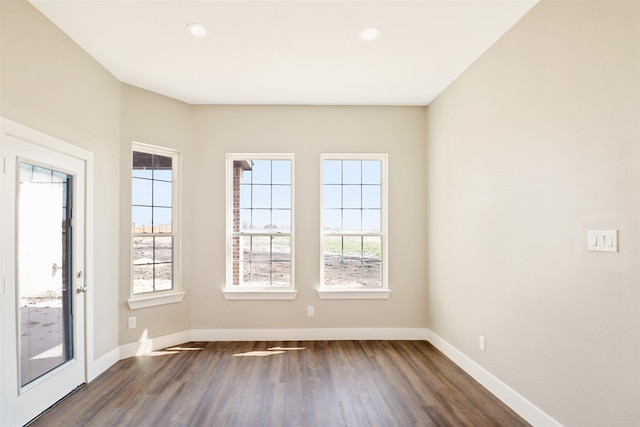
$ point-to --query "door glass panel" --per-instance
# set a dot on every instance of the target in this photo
(44, 270)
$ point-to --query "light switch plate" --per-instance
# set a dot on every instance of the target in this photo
(602, 240)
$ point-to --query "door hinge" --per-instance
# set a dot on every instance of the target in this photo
(4, 166)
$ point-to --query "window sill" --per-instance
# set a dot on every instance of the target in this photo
(151, 300)
(259, 294)
(351, 293)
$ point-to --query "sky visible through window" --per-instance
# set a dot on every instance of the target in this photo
(351, 196)
(151, 191)
(265, 196)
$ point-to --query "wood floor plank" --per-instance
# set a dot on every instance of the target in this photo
(290, 384)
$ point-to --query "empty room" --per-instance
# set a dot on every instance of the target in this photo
(320, 213)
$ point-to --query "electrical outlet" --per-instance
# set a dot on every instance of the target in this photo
(482, 343)
(131, 322)
(310, 311)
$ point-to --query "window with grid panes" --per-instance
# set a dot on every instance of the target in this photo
(260, 223)
(153, 225)
(353, 222)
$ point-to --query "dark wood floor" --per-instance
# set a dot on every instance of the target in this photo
(323, 383)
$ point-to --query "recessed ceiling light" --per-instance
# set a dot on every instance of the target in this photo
(197, 30)
(369, 34)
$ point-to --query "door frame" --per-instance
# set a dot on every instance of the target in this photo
(25, 133)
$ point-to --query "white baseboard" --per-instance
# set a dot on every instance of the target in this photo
(527, 410)
(330, 334)
(100, 365)
(506, 394)
(152, 344)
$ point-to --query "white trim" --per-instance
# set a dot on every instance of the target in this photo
(259, 294)
(152, 299)
(312, 334)
(527, 410)
(152, 344)
(103, 363)
(360, 293)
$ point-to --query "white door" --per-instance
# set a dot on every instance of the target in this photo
(43, 297)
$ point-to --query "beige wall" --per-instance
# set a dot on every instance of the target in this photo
(538, 142)
(307, 132)
(48, 83)
(153, 119)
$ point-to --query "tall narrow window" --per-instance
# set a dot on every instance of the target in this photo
(354, 222)
(260, 223)
(153, 224)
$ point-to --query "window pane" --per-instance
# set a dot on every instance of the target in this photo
(142, 161)
(332, 248)
(261, 248)
(371, 172)
(245, 220)
(163, 249)
(281, 170)
(245, 196)
(162, 220)
(332, 219)
(244, 251)
(163, 276)
(142, 278)
(281, 248)
(371, 196)
(162, 162)
(281, 220)
(141, 191)
(142, 173)
(332, 273)
(142, 251)
(259, 274)
(371, 220)
(332, 171)
(351, 172)
(246, 173)
(141, 219)
(351, 220)
(281, 274)
(143, 258)
(372, 274)
(261, 196)
(352, 248)
(261, 219)
(261, 172)
(372, 248)
(352, 273)
(163, 174)
(281, 196)
(162, 193)
(351, 196)
(332, 196)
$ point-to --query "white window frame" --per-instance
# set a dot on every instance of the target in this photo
(176, 294)
(358, 292)
(239, 292)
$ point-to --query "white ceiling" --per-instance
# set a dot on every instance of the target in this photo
(287, 52)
